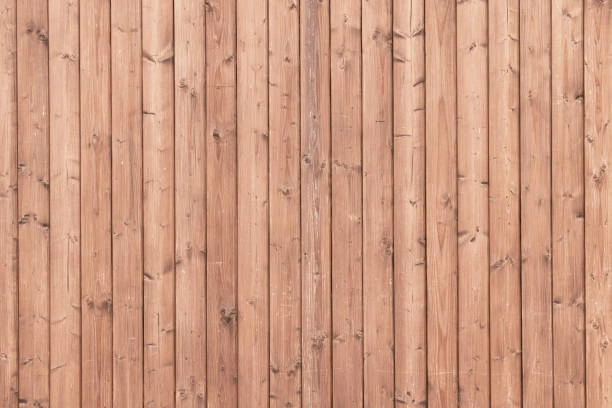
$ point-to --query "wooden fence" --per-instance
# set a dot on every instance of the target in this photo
(305, 203)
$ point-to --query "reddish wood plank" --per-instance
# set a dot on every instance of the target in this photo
(190, 203)
(284, 191)
(33, 202)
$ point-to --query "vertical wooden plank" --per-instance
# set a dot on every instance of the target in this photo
(96, 241)
(252, 134)
(598, 209)
(9, 368)
(473, 203)
(126, 40)
(536, 225)
(65, 240)
(190, 203)
(504, 205)
(568, 203)
(284, 192)
(33, 202)
(347, 267)
(441, 198)
(409, 279)
(158, 200)
(222, 330)
(377, 40)
(315, 203)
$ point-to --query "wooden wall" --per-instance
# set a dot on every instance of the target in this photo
(305, 203)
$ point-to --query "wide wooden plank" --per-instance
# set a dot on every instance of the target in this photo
(65, 240)
(504, 205)
(253, 265)
(347, 266)
(598, 208)
(409, 278)
(158, 200)
(127, 194)
(536, 228)
(96, 240)
(222, 330)
(473, 203)
(568, 203)
(190, 203)
(9, 367)
(284, 192)
(316, 203)
(377, 40)
(441, 208)
(33, 202)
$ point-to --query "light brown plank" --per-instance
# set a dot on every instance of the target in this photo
(536, 276)
(473, 204)
(441, 207)
(598, 209)
(222, 330)
(504, 205)
(158, 200)
(65, 239)
(33, 202)
(346, 173)
(377, 40)
(316, 203)
(190, 205)
(284, 192)
(127, 189)
(9, 368)
(253, 264)
(96, 241)
(568, 203)
(409, 278)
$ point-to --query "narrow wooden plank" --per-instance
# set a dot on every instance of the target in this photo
(409, 278)
(33, 202)
(598, 208)
(65, 240)
(473, 203)
(96, 241)
(284, 192)
(377, 40)
(127, 189)
(158, 200)
(253, 265)
(222, 330)
(504, 205)
(9, 368)
(346, 173)
(315, 203)
(568, 203)
(536, 276)
(441, 198)
(190, 203)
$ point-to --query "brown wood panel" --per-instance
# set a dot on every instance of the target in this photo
(284, 191)
(316, 202)
(33, 201)
(346, 215)
(65, 234)
(504, 205)
(190, 202)
(127, 203)
(441, 199)
(472, 202)
(221, 207)
(536, 227)
(9, 367)
(598, 208)
(253, 265)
